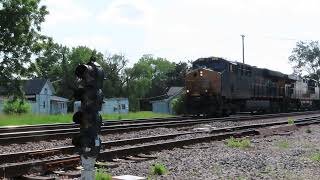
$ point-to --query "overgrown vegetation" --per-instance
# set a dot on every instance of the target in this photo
(33, 119)
(16, 106)
(238, 143)
(102, 174)
(283, 144)
(158, 169)
(290, 121)
(178, 105)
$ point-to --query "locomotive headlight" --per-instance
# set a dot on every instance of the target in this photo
(188, 91)
(206, 90)
(201, 73)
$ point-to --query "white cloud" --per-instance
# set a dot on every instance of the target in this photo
(65, 12)
(101, 43)
(127, 12)
(212, 28)
(190, 29)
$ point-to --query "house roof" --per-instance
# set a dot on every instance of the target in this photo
(115, 99)
(57, 98)
(34, 86)
(174, 91)
(171, 93)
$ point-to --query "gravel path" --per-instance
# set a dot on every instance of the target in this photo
(273, 157)
(31, 146)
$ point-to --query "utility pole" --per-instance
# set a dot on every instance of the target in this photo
(242, 48)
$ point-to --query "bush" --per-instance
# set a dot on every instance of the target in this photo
(178, 105)
(17, 106)
(158, 169)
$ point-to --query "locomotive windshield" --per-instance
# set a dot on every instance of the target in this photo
(212, 64)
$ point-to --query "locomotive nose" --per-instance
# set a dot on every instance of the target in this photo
(201, 82)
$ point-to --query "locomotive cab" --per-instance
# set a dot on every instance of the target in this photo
(203, 86)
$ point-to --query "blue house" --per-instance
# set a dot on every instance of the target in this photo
(110, 106)
(40, 95)
(165, 105)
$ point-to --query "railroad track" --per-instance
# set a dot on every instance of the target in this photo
(121, 126)
(30, 128)
(126, 148)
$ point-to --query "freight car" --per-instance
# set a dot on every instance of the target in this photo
(215, 86)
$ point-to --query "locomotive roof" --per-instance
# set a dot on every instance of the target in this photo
(267, 72)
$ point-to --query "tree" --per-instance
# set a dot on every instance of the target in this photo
(147, 78)
(306, 59)
(113, 66)
(177, 75)
(20, 22)
(50, 61)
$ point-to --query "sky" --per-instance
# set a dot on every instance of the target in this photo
(182, 30)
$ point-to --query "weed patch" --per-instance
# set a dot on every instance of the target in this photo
(290, 121)
(283, 144)
(315, 157)
(238, 143)
(158, 169)
(101, 174)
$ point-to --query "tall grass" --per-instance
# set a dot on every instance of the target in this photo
(34, 119)
(135, 115)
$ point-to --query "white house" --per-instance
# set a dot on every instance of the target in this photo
(40, 94)
(110, 106)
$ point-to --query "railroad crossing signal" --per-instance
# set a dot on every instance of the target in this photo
(89, 80)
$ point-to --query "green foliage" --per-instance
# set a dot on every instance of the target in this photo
(178, 104)
(147, 78)
(238, 143)
(20, 23)
(101, 174)
(158, 169)
(176, 75)
(283, 144)
(113, 65)
(290, 121)
(306, 58)
(16, 106)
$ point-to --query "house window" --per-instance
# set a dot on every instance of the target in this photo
(123, 106)
(44, 104)
(45, 91)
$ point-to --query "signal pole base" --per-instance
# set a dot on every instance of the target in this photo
(88, 172)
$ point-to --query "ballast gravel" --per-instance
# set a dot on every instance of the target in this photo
(42, 145)
(295, 156)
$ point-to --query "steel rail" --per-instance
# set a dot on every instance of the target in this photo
(26, 128)
(17, 169)
(22, 137)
